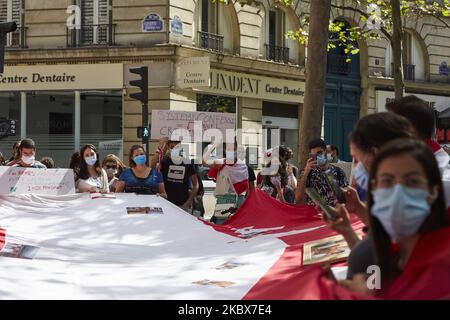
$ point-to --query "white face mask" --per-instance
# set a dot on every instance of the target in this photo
(28, 160)
(90, 161)
(111, 172)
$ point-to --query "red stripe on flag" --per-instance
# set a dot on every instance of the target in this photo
(2, 238)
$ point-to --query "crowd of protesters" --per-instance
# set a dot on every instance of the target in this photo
(395, 187)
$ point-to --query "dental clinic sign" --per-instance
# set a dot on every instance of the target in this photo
(254, 86)
(62, 77)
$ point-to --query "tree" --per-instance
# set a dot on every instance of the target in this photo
(381, 18)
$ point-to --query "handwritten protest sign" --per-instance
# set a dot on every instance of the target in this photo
(165, 122)
(37, 181)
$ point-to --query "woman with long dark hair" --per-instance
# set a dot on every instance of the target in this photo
(409, 223)
(91, 176)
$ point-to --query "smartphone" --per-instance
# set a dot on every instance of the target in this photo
(313, 156)
(317, 199)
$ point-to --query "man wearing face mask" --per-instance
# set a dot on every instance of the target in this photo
(178, 175)
(27, 150)
(321, 176)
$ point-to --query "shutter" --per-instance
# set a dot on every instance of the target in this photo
(3, 10)
(87, 20)
(103, 11)
(16, 11)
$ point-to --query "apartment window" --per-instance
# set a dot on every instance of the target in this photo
(96, 26)
(13, 10)
(209, 37)
(276, 48)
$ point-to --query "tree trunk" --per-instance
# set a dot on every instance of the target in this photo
(316, 70)
(397, 48)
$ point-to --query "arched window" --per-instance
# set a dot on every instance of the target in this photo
(217, 27)
(414, 57)
(274, 44)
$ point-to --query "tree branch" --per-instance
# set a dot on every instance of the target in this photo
(365, 14)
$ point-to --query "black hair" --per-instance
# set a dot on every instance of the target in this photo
(375, 130)
(334, 148)
(83, 169)
(418, 112)
(437, 218)
(27, 144)
(317, 143)
(48, 162)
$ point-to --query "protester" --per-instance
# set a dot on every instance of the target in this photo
(333, 154)
(140, 178)
(231, 175)
(74, 164)
(91, 177)
(277, 184)
(409, 224)
(15, 154)
(287, 154)
(2, 160)
(114, 168)
(321, 176)
(422, 117)
(27, 152)
(178, 175)
(364, 145)
(48, 162)
(251, 180)
(198, 209)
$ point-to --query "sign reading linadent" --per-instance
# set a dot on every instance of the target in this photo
(165, 122)
(253, 86)
(37, 181)
(439, 103)
(193, 72)
(62, 77)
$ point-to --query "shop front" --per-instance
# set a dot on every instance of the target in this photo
(63, 107)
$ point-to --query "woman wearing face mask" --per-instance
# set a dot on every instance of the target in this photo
(92, 178)
(277, 186)
(364, 145)
(114, 168)
(140, 178)
(409, 224)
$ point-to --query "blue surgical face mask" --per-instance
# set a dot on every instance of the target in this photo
(330, 157)
(401, 210)
(140, 160)
(321, 160)
(90, 161)
(361, 176)
(230, 155)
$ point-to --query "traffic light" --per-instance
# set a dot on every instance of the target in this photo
(143, 133)
(5, 28)
(142, 83)
(7, 128)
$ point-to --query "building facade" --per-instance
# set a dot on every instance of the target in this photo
(67, 87)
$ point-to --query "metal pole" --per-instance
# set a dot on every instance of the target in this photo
(77, 139)
(23, 115)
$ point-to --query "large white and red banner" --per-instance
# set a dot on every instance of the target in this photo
(86, 248)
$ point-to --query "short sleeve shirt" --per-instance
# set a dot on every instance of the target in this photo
(149, 185)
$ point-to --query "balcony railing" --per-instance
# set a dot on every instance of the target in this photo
(17, 39)
(276, 53)
(92, 35)
(338, 64)
(210, 41)
(409, 71)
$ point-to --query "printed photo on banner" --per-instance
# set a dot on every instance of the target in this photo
(144, 210)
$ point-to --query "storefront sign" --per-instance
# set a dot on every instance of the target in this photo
(37, 181)
(439, 103)
(62, 77)
(165, 122)
(193, 72)
(153, 23)
(253, 86)
(176, 26)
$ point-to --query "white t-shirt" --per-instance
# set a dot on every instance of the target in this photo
(96, 184)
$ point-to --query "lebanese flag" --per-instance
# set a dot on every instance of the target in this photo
(237, 174)
(441, 156)
(2, 238)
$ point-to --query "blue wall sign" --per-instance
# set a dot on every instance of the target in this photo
(153, 23)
